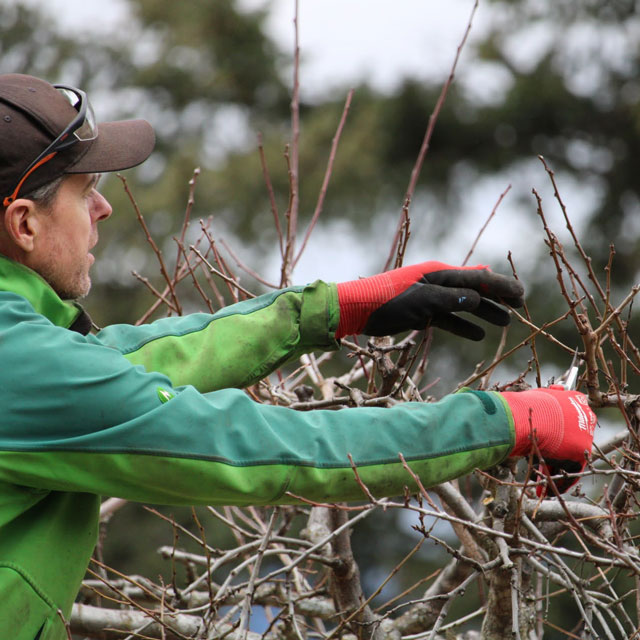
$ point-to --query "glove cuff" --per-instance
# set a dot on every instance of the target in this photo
(359, 298)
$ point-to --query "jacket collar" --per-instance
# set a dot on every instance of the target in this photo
(17, 278)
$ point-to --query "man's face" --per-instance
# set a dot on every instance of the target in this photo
(68, 232)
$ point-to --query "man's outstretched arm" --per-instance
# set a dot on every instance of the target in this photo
(246, 341)
(96, 423)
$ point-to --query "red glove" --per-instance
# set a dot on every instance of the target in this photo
(424, 295)
(562, 423)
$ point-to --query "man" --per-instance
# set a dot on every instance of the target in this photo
(154, 413)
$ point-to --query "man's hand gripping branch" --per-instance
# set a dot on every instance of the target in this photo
(561, 424)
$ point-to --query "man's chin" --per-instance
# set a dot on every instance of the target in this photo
(84, 294)
(74, 293)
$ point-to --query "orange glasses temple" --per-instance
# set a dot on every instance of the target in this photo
(9, 199)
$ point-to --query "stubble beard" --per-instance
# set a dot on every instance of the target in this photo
(69, 285)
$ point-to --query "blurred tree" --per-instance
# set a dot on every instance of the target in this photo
(574, 97)
(209, 78)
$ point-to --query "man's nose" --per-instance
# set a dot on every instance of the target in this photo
(100, 207)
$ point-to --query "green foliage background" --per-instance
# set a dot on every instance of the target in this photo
(205, 73)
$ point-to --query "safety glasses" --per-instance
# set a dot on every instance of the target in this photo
(82, 127)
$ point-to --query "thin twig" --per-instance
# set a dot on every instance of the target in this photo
(485, 225)
(424, 148)
(327, 176)
(272, 197)
(163, 269)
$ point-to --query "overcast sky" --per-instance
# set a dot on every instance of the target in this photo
(341, 40)
(344, 40)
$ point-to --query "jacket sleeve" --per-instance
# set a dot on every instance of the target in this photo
(237, 346)
(78, 416)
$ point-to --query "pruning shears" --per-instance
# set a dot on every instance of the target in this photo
(569, 379)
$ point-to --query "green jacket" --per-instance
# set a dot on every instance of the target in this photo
(151, 414)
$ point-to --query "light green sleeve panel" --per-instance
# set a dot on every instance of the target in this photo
(239, 345)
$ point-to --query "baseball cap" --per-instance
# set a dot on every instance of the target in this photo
(34, 114)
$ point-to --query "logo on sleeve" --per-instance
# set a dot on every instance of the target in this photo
(164, 394)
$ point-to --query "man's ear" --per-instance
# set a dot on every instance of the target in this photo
(21, 224)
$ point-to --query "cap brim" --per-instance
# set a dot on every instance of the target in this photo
(119, 145)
